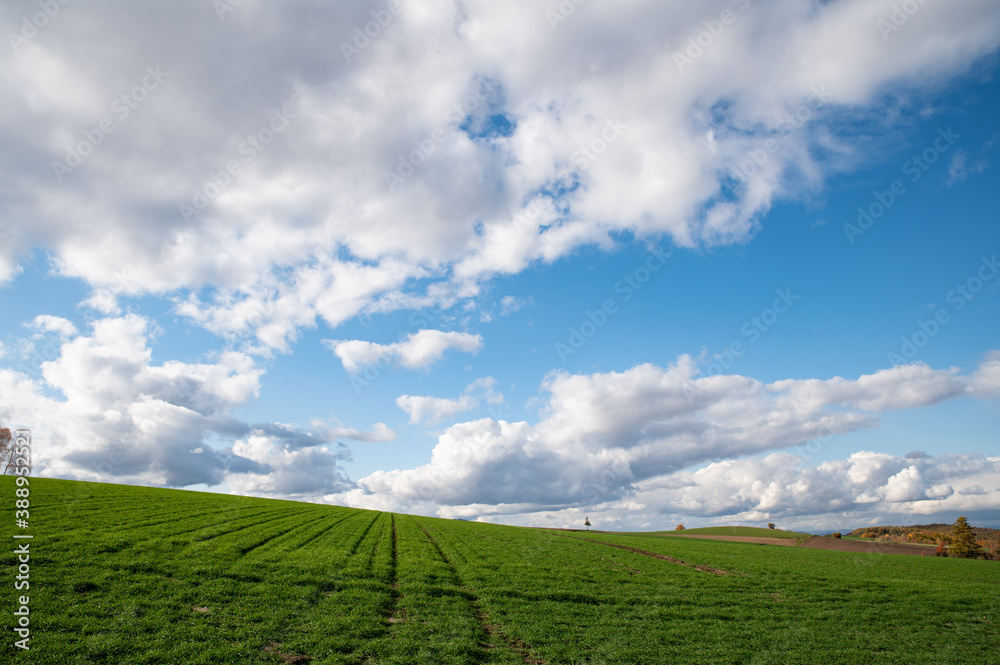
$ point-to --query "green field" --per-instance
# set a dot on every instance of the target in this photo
(135, 575)
(744, 531)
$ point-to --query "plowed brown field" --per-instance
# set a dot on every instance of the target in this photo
(824, 543)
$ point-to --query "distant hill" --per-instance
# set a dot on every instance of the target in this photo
(745, 531)
(928, 534)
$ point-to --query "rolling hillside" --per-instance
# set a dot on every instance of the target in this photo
(137, 575)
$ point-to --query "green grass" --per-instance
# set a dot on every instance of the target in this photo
(137, 575)
(745, 531)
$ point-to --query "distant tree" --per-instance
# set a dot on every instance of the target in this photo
(679, 527)
(586, 523)
(770, 525)
(836, 534)
(6, 450)
(965, 545)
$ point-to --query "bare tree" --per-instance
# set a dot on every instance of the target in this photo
(6, 449)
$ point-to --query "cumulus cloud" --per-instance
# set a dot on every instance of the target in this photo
(106, 412)
(420, 349)
(985, 382)
(46, 323)
(296, 473)
(346, 210)
(866, 486)
(612, 436)
(434, 409)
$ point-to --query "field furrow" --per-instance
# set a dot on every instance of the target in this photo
(234, 580)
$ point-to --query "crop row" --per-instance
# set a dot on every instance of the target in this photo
(148, 576)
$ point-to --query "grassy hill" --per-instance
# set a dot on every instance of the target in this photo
(742, 531)
(136, 575)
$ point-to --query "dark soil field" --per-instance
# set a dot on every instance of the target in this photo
(840, 545)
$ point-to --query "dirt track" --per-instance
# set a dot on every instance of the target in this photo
(824, 543)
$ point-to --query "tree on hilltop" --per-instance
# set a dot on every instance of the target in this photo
(586, 523)
(679, 527)
(965, 545)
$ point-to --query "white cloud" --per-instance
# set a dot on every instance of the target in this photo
(380, 433)
(309, 229)
(610, 437)
(433, 410)
(299, 473)
(47, 323)
(510, 304)
(419, 350)
(985, 382)
(959, 167)
(101, 410)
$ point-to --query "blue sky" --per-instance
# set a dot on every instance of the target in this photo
(706, 285)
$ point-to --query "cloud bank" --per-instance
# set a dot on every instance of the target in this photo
(624, 436)
(341, 178)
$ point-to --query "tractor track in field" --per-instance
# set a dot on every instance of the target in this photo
(361, 538)
(226, 533)
(371, 555)
(662, 557)
(229, 521)
(247, 550)
(395, 614)
(497, 637)
(145, 525)
(323, 532)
